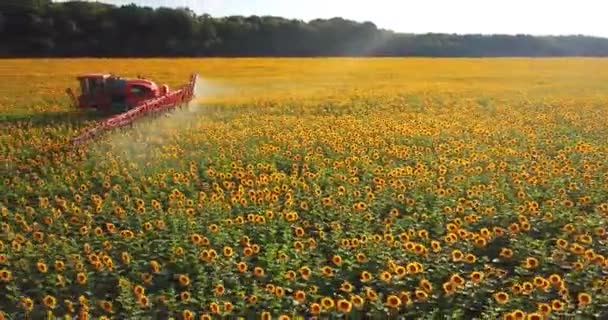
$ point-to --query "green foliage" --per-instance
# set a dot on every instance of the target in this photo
(78, 28)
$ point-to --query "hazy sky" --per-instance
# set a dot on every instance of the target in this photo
(539, 17)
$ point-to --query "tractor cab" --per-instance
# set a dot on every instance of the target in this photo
(101, 91)
(90, 84)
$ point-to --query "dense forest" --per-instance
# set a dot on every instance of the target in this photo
(40, 28)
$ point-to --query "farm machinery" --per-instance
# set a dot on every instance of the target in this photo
(127, 100)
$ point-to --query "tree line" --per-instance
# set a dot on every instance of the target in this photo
(41, 28)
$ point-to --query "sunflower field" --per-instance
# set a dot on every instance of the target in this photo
(310, 188)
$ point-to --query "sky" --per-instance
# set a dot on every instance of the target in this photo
(537, 17)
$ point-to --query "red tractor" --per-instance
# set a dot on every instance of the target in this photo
(135, 98)
(105, 91)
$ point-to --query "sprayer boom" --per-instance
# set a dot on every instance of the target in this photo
(154, 100)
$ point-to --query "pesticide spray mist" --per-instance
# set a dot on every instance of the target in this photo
(144, 143)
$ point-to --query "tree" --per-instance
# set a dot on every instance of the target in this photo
(82, 28)
(1, 23)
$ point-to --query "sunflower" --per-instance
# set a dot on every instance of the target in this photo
(290, 275)
(139, 291)
(179, 251)
(110, 227)
(83, 300)
(530, 263)
(215, 308)
(501, 297)
(357, 301)
(5, 275)
(360, 257)
(365, 276)
(299, 232)
(470, 258)
(49, 301)
(125, 257)
(270, 288)
(400, 271)
(337, 260)
(143, 301)
(449, 288)
(578, 266)
(385, 276)
(228, 306)
(599, 259)
(258, 271)
(299, 296)
(27, 304)
(127, 234)
(371, 294)
(421, 294)
(327, 271)
(344, 306)
(519, 314)
(155, 266)
(426, 285)
(187, 314)
(93, 258)
(241, 267)
(346, 287)
(528, 287)
(393, 301)
(412, 268)
(219, 289)
(327, 303)
(81, 278)
(535, 316)
(517, 288)
(577, 249)
(106, 306)
(314, 308)
(185, 296)
(480, 242)
(183, 280)
(457, 255)
(457, 280)
(228, 251)
(584, 299)
(298, 245)
(476, 276)
(463, 234)
(42, 268)
(485, 233)
(146, 277)
(147, 225)
(539, 281)
(436, 246)
(279, 291)
(38, 236)
(514, 228)
(544, 308)
(562, 243)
